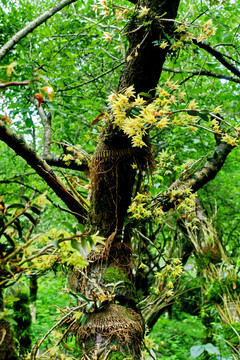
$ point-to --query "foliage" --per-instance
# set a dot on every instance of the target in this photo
(58, 92)
(176, 336)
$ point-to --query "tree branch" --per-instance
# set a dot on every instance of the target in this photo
(92, 80)
(218, 56)
(21, 148)
(16, 83)
(145, 61)
(70, 164)
(198, 179)
(46, 121)
(33, 25)
(203, 72)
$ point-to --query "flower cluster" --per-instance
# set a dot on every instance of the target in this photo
(135, 115)
(166, 278)
(140, 208)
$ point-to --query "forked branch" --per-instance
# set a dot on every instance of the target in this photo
(21, 148)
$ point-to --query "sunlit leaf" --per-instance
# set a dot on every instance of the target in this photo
(10, 68)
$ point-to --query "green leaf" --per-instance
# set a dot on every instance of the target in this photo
(55, 243)
(83, 319)
(153, 354)
(98, 303)
(30, 217)
(81, 228)
(89, 306)
(145, 94)
(211, 349)
(193, 112)
(82, 297)
(197, 351)
(203, 114)
(36, 209)
(69, 226)
(90, 241)
(85, 246)
(76, 245)
(16, 206)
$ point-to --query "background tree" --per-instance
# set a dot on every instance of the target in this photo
(54, 99)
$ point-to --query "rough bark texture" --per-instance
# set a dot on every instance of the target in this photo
(119, 323)
(7, 346)
(144, 70)
(21, 148)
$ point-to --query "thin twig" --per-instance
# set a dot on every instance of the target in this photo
(150, 241)
(53, 327)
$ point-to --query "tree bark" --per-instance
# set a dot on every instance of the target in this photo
(118, 324)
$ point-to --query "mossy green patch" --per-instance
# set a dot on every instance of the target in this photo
(113, 275)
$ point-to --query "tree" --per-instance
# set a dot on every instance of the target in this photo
(144, 118)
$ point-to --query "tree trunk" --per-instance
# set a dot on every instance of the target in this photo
(116, 324)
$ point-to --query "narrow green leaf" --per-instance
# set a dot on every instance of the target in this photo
(204, 115)
(98, 303)
(36, 209)
(76, 245)
(193, 112)
(84, 243)
(89, 306)
(30, 217)
(82, 297)
(145, 94)
(16, 206)
(83, 319)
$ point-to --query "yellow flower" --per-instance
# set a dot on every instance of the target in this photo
(129, 92)
(177, 44)
(129, 58)
(118, 47)
(174, 86)
(217, 109)
(139, 101)
(137, 141)
(106, 36)
(163, 122)
(143, 11)
(163, 45)
(176, 261)
(159, 276)
(169, 293)
(192, 128)
(68, 157)
(162, 92)
(182, 94)
(201, 37)
(180, 28)
(193, 104)
(142, 266)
